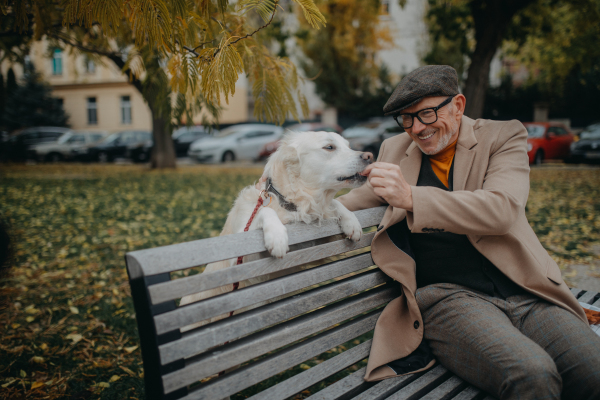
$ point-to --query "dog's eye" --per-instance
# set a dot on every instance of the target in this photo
(329, 147)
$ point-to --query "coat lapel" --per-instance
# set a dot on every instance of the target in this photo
(465, 153)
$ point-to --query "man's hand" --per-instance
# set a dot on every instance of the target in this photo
(389, 183)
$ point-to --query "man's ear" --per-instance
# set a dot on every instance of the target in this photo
(460, 103)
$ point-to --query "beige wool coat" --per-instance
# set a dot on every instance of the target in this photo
(491, 186)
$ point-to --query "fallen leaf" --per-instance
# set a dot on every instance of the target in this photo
(37, 360)
(30, 319)
(75, 337)
(114, 378)
(130, 372)
(130, 349)
(36, 385)
(304, 366)
(22, 374)
(103, 384)
(74, 310)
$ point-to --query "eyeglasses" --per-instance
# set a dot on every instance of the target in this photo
(427, 116)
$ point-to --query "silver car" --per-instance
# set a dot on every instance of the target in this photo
(368, 136)
(67, 146)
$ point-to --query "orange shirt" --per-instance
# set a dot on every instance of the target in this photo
(442, 161)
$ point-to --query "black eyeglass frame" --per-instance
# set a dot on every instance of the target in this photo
(416, 114)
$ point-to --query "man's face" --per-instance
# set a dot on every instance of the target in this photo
(435, 137)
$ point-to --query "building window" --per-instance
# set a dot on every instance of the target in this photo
(125, 110)
(385, 7)
(90, 66)
(92, 111)
(57, 62)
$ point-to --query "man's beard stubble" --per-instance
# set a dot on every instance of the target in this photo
(444, 140)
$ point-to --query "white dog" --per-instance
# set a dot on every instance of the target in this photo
(302, 178)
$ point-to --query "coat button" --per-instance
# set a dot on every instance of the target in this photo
(416, 324)
(380, 227)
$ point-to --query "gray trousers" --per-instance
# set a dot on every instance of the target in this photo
(518, 348)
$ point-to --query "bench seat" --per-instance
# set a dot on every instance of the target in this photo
(304, 333)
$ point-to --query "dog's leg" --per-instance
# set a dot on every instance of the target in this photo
(275, 233)
(348, 222)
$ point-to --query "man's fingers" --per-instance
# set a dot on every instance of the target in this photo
(378, 165)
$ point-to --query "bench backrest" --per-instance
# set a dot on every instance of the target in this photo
(337, 297)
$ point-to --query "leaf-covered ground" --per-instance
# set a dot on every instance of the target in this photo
(67, 327)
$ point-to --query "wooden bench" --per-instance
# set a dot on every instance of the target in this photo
(335, 299)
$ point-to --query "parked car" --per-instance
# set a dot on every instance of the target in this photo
(271, 147)
(19, 144)
(587, 149)
(238, 142)
(547, 141)
(136, 145)
(186, 135)
(368, 136)
(67, 146)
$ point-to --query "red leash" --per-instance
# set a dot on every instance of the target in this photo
(259, 203)
(236, 285)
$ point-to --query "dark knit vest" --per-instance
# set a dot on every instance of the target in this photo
(445, 257)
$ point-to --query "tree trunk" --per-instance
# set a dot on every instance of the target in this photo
(478, 79)
(491, 19)
(163, 152)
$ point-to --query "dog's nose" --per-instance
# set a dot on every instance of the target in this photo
(368, 157)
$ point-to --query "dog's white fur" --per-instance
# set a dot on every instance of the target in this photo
(307, 170)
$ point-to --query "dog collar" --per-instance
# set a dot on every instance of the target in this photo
(282, 201)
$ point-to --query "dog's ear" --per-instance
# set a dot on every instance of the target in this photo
(285, 158)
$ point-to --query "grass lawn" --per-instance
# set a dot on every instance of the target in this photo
(67, 327)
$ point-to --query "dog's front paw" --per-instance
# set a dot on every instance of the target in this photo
(276, 241)
(351, 227)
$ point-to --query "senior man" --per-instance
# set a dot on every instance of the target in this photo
(476, 282)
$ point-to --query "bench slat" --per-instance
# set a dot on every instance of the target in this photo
(316, 374)
(445, 390)
(468, 394)
(249, 375)
(273, 338)
(198, 252)
(385, 388)
(575, 291)
(426, 383)
(236, 300)
(197, 283)
(587, 297)
(343, 388)
(237, 326)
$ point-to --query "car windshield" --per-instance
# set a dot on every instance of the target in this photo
(183, 130)
(63, 139)
(360, 130)
(229, 131)
(591, 132)
(535, 131)
(112, 138)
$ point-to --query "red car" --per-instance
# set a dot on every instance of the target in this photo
(271, 147)
(547, 141)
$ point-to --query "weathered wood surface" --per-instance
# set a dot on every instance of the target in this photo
(587, 297)
(446, 389)
(249, 375)
(273, 338)
(238, 326)
(385, 388)
(198, 252)
(469, 393)
(215, 306)
(197, 283)
(344, 388)
(316, 374)
(423, 384)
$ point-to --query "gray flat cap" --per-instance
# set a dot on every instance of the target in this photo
(427, 81)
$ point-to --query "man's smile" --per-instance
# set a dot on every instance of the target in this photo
(427, 136)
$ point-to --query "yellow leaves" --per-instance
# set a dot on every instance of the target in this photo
(130, 372)
(31, 309)
(103, 385)
(36, 385)
(114, 378)
(37, 360)
(74, 310)
(22, 374)
(264, 8)
(312, 13)
(219, 70)
(304, 366)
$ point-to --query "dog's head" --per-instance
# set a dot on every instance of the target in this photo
(320, 160)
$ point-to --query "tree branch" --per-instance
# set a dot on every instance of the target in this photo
(193, 51)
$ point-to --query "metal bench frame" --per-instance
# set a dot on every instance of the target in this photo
(328, 303)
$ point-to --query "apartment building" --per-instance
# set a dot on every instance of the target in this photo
(96, 95)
